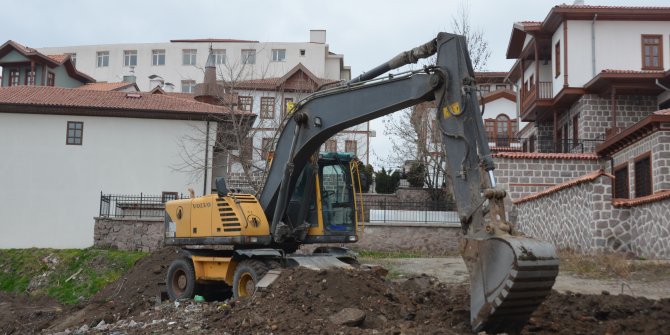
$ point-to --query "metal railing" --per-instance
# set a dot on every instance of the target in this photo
(412, 211)
(526, 144)
(135, 206)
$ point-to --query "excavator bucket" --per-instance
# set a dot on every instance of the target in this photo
(510, 276)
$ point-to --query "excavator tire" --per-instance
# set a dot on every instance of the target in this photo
(510, 276)
(247, 274)
(181, 279)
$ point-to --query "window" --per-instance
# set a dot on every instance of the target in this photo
(188, 56)
(73, 58)
(130, 58)
(490, 126)
(267, 108)
(266, 147)
(350, 146)
(557, 59)
(30, 77)
(248, 56)
(14, 75)
(652, 52)
(158, 57)
(302, 52)
(485, 88)
(643, 176)
(621, 182)
(278, 55)
(51, 79)
(501, 87)
(288, 105)
(103, 58)
(245, 103)
(75, 132)
(575, 129)
(188, 86)
(531, 144)
(331, 145)
(219, 56)
(503, 130)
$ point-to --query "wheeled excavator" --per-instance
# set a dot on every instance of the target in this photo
(308, 198)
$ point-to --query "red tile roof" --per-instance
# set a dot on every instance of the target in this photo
(583, 179)
(105, 86)
(58, 58)
(102, 103)
(504, 149)
(610, 7)
(641, 200)
(539, 155)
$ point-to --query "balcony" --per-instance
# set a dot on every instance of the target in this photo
(537, 97)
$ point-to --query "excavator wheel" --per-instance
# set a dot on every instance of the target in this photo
(247, 274)
(180, 279)
(510, 276)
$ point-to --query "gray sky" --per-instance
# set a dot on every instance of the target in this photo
(366, 32)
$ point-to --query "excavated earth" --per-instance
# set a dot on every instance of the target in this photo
(304, 301)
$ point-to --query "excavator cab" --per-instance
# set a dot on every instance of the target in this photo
(334, 206)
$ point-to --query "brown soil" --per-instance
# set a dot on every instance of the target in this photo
(302, 301)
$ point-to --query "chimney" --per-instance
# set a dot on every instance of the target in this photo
(317, 36)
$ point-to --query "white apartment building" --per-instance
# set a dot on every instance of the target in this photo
(179, 64)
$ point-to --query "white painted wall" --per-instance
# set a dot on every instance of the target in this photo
(557, 82)
(618, 47)
(51, 191)
(500, 106)
(316, 59)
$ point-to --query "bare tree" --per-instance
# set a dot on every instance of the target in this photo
(478, 47)
(414, 132)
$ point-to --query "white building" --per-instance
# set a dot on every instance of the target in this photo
(587, 72)
(63, 146)
(181, 62)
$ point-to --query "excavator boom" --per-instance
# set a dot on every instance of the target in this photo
(510, 274)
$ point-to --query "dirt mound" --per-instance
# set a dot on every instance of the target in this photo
(316, 302)
(574, 313)
(307, 301)
(131, 294)
(23, 314)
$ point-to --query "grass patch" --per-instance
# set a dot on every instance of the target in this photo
(611, 265)
(389, 254)
(68, 275)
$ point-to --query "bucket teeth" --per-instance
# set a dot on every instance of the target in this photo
(509, 278)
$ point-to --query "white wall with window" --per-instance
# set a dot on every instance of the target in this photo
(109, 154)
(271, 59)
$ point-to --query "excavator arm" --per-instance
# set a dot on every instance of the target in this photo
(510, 274)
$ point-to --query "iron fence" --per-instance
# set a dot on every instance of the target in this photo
(140, 206)
(531, 144)
(412, 211)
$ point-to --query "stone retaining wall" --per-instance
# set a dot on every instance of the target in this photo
(583, 217)
(145, 234)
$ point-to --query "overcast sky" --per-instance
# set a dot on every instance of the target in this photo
(365, 32)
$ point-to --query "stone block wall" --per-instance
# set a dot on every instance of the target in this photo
(583, 217)
(595, 113)
(524, 176)
(658, 145)
(145, 234)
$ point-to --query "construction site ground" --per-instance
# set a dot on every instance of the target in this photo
(417, 296)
